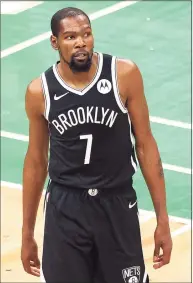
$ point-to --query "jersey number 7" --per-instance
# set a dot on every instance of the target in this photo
(88, 147)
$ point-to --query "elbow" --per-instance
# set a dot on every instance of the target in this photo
(145, 146)
(140, 151)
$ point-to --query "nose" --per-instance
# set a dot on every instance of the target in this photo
(80, 42)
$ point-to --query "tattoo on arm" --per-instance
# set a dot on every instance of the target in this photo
(160, 168)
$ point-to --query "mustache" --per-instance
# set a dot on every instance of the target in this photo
(79, 67)
(80, 52)
(83, 67)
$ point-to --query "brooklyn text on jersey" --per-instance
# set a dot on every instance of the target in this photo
(82, 116)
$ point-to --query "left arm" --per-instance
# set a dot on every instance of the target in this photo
(149, 158)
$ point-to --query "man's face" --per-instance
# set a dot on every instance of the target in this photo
(75, 43)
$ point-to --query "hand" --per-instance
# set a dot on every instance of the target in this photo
(163, 240)
(29, 256)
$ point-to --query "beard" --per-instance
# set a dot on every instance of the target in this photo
(78, 66)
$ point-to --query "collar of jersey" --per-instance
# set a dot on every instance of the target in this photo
(83, 91)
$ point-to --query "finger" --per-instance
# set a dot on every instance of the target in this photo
(26, 266)
(32, 264)
(166, 259)
(31, 268)
(35, 271)
(162, 260)
(166, 254)
(158, 259)
(156, 251)
(28, 270)
(36, 261)
(158, 265)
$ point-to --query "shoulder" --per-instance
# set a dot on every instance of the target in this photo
(34, 96)
(129, 75)
(126, 67)
(35, 86)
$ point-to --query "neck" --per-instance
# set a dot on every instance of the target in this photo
(79, 79)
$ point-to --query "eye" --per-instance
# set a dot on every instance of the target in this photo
(87, 34)
(69, 37)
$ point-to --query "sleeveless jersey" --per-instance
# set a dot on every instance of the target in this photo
(91, 140)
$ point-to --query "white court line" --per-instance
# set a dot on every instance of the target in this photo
(11, 185)
(175, 233)
(15, 7)
(142, 212)
(45, 35)
(165, 166)
(145, 218)
(180, 230)
(177, 168)
(14, 136)
(168, 122)
(182, 220)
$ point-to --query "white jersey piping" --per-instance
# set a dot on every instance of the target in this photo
(46, 95)
(133, 145)
(87, 88)
(145, 277)
(115, 86)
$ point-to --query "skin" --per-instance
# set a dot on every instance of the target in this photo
(78, 38)
(131, 89)
(75, 35)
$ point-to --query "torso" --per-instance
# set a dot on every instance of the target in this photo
(91, 143)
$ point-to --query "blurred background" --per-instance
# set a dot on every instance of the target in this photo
(156, 35)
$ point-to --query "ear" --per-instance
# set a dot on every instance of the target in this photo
(54, 43)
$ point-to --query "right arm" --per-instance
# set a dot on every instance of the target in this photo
(34, 173)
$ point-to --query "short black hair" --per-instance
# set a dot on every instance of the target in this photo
(62, 14)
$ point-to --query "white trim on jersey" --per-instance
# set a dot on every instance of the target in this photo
(87, 88)
(115, 86)
(133, 163)
(136, 157)
(133, 144)
(46, 198)
(46, 95)
(122, 107)
(42, 278)
(45, 100)
(145, 277)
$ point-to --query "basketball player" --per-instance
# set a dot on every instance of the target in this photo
(90, 107)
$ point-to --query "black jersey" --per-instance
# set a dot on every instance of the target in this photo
(91, 141)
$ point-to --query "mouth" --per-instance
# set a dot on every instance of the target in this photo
(81, 55)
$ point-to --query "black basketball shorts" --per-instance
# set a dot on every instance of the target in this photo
(92, 236)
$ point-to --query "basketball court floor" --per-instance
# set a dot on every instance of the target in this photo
(156, 35)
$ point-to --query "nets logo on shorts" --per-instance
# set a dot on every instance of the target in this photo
(131, 274)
